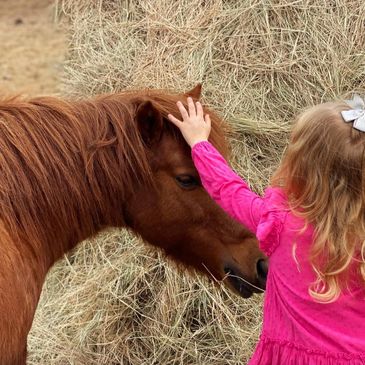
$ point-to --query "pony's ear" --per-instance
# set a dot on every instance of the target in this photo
(195, 93)
(149, 121)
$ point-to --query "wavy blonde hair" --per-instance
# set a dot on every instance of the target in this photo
(323, 174)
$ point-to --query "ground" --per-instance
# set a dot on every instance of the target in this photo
(33, 47)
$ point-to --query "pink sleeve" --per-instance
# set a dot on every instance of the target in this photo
(229, 190)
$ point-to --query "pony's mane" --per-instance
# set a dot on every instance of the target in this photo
(67, 165)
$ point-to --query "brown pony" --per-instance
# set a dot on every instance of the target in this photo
(71, 168)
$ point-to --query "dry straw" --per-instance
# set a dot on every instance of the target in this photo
(114, 301)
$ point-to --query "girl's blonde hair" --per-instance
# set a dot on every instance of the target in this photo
(323, 174)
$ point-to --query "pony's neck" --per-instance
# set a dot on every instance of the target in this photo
(68, 171)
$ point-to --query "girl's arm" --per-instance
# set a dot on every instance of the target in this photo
(222, 184)
(229, 190)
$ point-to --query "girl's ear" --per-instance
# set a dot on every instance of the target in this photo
(195, 93)
(149, 121)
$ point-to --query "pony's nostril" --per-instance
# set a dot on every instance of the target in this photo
(262, 268)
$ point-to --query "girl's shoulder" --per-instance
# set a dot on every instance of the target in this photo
(278, 223)
(274, 212)
(276, 199)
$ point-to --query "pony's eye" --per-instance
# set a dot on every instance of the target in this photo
(187, 181)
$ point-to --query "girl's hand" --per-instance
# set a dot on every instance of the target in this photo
(195, 127)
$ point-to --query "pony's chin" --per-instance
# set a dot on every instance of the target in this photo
(242, 290)
(240, 285)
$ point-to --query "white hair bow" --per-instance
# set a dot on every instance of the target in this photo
(356, 114)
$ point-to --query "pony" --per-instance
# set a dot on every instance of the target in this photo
(71, 168)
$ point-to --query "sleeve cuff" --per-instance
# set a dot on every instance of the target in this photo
(201, 144)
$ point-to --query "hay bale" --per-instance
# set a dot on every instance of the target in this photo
(114, 301)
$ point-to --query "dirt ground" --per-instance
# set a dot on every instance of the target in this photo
(33, 47)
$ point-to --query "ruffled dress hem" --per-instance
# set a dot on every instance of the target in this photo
(278, 352)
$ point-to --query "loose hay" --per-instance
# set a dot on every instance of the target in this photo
(114, 301)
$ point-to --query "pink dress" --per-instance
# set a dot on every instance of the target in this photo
(296, 329)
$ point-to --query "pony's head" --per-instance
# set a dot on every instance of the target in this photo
(116, 160)
(174, 211)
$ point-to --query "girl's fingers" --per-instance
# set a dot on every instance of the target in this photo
(199, 110)
(174, 120)
(182, 110)
(192, 110)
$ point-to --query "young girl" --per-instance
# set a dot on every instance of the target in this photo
(311, 223)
